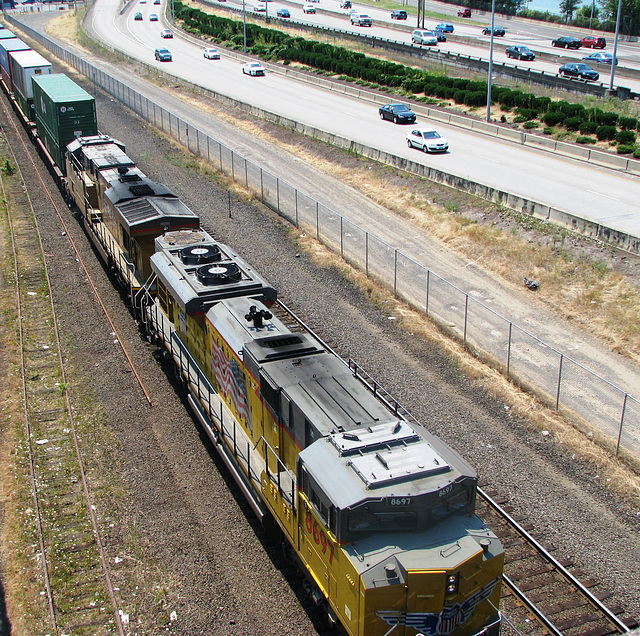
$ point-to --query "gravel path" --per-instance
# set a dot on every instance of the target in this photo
(198, 550)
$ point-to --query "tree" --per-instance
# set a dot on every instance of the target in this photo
(630, 15)
(568, 7)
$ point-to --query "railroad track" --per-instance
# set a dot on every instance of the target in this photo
(60, 526)
(545, 590)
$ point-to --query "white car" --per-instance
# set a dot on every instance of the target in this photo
(253, 68)
(427, 139)
(261, 7)
(308, 8)
(211, 54)
(166, 34)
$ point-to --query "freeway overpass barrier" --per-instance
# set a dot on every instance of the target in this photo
(598, 406)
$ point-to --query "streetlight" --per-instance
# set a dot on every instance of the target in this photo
(493, 23)
(615, 46)
(244, 25)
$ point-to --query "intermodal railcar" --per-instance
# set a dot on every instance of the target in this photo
(378, 512)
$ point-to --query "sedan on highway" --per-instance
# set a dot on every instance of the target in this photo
(399, 14)
(566, 42)
(211, 54)
(137, 16)
(498, 31)
(593, 42)
(600, 58)
(520, 53)
(153, 17)
(260, 7)
(253, 68)
(426, 37)
(163, 55)
(397, 113)
(166, 34)
(579, 71)
(427, 139)
(308, 8)
(283, 13)
(445, 27)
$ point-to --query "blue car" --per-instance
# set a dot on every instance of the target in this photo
(445, 27)
(283, 13)
(601, 58)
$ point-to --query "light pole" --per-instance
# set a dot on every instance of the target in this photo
(615, 46)
(244, 25)
(493, 23)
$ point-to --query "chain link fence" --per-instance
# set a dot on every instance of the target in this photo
(597, 406)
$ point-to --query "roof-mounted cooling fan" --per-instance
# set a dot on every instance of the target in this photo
(219, 274)
(200, 254)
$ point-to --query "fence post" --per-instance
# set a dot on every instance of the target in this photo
(509, 350)
(466, 317)
(295, 192)
(317, 221)
(624, 408)
(341, 237)
(395, 272)
(559, 380)
(366, 253)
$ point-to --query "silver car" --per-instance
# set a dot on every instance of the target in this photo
(427, 139)
(424, 36)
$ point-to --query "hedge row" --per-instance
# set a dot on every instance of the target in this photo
(277, 45)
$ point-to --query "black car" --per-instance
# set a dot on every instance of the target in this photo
(397, 113)
(520, 53)
(498, 31)
(398, 14)
(567, 42)
(581, 71)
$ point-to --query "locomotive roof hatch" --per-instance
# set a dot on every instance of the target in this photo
(385, 460)
(100, 152)
(150, 213)
(199, 271)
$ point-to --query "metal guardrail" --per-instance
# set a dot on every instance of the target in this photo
(598, 406)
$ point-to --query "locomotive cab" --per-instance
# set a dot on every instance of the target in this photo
(391, 536)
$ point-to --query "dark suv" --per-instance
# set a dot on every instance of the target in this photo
(566, 42)
(398, 14)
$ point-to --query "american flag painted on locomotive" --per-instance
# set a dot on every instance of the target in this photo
(446, 622)
(231, 380)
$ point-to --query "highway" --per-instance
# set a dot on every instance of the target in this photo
(603, 195)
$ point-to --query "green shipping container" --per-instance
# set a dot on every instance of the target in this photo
(63, 112)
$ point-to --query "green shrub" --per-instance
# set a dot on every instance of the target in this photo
(527, 113)
(626, 149)
(636, 153)
(627, 123)
(528, 125)
(553, 118)
(583, 139)
(588, 127)
(605, 133)
(548, 130)
(626, 137)
(573, 123)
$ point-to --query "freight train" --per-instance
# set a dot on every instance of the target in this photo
(378, 512)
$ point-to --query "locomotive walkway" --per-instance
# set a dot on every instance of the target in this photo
(514, 304)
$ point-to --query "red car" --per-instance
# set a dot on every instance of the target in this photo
(464, 13)
(593, 42)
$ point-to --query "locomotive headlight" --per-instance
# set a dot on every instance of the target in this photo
(452, 583)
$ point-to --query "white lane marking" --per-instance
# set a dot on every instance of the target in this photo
(606, 196)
